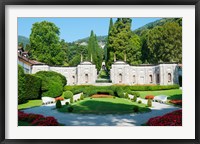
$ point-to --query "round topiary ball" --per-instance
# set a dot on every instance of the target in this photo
(67, 94)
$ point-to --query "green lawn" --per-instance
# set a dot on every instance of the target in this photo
(173, 94)
(105, 106)
(29, 104)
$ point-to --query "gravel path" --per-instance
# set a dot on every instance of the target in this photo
(70, 119)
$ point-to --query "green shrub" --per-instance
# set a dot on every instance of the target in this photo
(70, 108)
(136, 109)
(67, 103)
(81, 97)
(139, 101)
(180, 80)
(58, 104)
(126, 96)
(114, 97)
(33, 87)
(21, 86)
(71, 100)
(75, 101)
(134, 99)
(120, 92)
(52, 83)
(149, 103)
(67, 94)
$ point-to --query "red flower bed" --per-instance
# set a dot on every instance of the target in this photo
(176, 102)
(149, 97)
(37, 119)
(59, 98)
(101, 96)
(170, 119)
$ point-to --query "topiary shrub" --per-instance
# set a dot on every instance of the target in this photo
(33, 87)
(67, 94)
(126, 96)
(71, 100)
(134, 98)
(70, 109)
(120, 92)
(58, 104)
(139, 101)
(114, 97)
(52, 83)
(81, 97)
(136, 109)
(149, 103)
(21, 86)
(67, 103)
(75, 101)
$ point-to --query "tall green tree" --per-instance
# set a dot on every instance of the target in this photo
(118, 40)
(133, 52)
(106, 46)
(45, 44)
(165, 43)
(94, 51)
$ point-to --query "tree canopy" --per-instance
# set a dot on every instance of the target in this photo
(45, 44)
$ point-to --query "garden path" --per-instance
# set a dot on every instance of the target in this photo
(70, 119)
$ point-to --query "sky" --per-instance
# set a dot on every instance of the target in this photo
(72, 29)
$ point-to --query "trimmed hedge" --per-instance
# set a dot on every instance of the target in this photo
(116, 90)
(33, 85)
(21, 86)
(153, 87)
(52, 83)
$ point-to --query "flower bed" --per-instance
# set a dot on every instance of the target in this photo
(169, 119)
(176, 102)
(37, 119)
(149, 97)
(101, 96)
(59, 98)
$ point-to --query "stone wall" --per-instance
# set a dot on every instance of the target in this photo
(85, 73)
(163, 74)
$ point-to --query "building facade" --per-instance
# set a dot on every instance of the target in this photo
(120, 73)
(162, 74)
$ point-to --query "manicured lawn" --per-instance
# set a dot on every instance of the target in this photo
(29, 104)
(173, 94)
(105, 106)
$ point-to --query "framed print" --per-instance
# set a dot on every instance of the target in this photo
(99, 72)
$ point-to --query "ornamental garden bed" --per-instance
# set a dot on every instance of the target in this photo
(176, 102)
(101, 96)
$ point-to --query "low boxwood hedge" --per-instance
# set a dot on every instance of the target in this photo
(117, 90)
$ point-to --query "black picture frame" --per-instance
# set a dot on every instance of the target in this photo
(4, 3)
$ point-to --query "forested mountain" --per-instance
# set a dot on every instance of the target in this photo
(24, 40)
(99, 39)
(157, 23)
